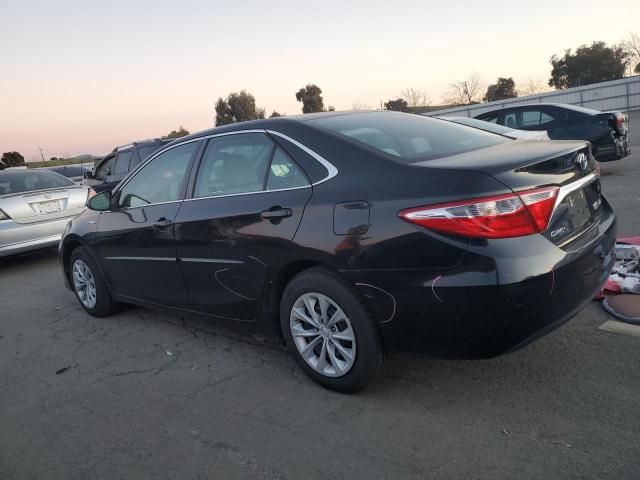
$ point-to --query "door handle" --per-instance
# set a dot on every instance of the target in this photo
(276, 213)
(162, 222)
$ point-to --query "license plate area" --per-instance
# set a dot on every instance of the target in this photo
(578, 210)
(49, 206)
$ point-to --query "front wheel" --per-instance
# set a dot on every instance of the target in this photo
(88, 284)
(331, 331)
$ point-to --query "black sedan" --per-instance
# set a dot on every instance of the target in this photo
(607, 131)
(351, 235)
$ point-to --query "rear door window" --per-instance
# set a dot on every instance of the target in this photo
(531, 119)
(510, 120)
(234, 164)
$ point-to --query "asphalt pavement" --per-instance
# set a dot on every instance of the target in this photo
(150, 395)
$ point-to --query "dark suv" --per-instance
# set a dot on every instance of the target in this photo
(108, 171)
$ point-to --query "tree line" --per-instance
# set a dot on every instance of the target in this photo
(589, 64)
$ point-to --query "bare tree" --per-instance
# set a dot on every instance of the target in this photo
(632, 48)
(531, 87)
(465, 92)
(415, 98)
(358, 105)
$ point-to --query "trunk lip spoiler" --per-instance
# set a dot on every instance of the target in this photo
(572, 187)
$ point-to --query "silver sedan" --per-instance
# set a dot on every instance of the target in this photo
(35, 207)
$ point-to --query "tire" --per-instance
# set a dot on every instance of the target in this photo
(348, 366)
(83, 267)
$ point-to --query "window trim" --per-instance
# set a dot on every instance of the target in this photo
(188, 195)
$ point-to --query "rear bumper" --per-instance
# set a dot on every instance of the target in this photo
(467, 313)
(23, 237)
(613, 148)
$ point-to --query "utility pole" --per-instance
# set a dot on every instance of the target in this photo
(41, 154)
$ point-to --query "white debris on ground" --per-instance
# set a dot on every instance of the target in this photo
(626, 271)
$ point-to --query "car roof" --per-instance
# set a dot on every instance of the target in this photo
(266, 123)
(575, 108)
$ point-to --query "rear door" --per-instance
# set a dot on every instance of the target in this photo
(248, 199)
(136, 239)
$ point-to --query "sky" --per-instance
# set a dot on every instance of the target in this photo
(84, 76)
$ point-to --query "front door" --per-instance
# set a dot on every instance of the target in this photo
(136, 239)
(248, 199)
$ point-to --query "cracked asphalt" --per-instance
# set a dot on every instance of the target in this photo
(151, 395)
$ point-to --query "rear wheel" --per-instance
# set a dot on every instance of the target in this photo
(88, 284)
(331, 331)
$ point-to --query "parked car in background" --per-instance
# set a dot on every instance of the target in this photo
(35, 207)
(75, 172)
(108, 171)
(607, 131)
(499, 129)
(353, 234)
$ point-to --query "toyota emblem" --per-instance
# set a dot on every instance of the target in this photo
(581, 161)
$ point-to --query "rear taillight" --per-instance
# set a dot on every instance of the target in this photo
(500, 216)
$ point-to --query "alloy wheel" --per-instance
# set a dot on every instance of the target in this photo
(323, 334)
(84, 284)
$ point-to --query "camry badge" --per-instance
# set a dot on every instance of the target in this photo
(581, 161)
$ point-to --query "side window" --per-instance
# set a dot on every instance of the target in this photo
(105, 168)
(511, 120)
(122, 162)
(545, 118)
(161, 180)
(491, 119)
(234, 164)
(531, 118)
(284, 173)
(535, 118)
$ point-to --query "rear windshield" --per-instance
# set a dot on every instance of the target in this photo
(28, 180)
(409, 138)
(71, 170)
(481, 124)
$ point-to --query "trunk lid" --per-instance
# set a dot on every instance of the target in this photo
(524, 165)
(44, 205)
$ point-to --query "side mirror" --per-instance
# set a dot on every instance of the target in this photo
(100, 202)
(88, 175)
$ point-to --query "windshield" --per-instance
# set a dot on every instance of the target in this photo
(408, 138)
(28, 180)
